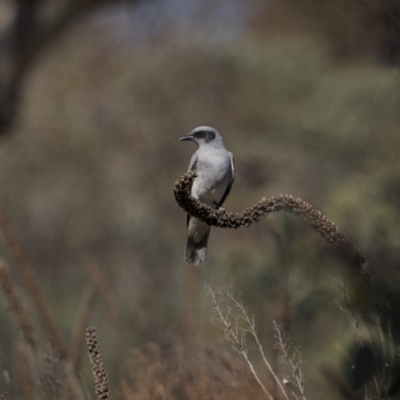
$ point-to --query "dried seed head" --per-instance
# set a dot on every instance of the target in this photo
(223, 219)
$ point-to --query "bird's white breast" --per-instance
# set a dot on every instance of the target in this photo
(213, 175)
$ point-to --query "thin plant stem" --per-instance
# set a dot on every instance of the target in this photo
(252, 331)
(238, 342)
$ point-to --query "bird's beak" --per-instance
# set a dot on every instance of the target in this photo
(187, 137)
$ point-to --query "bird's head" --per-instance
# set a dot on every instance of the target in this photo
(203, 135)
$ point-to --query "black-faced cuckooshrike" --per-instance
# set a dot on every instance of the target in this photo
(215, 170)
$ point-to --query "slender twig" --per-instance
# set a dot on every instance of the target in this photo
(251, 328)
(237, 342)
(346, 305)
(293, 359)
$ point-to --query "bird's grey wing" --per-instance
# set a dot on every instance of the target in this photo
(192, 167)
(193, 162)
(229, 187)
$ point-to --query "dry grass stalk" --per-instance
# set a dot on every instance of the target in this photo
(283, 314)
(103, 286)
(32, 287)
(26, 381)
(96, 361)
(72, 382)
(372, 336)
(283, 271)
(178, 370)
(18, 310)
(125, 391)
(346, 305)
(190, 307)
(106, 294)
(223, 303)
(293, 359)
(85, 310)
(224, 219)
(76, 347)
(50, 371)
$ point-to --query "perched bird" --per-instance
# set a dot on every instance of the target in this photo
(215, 170)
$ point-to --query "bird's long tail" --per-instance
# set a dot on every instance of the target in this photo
(196, 250)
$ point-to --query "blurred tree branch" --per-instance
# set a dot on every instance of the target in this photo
(31, 30)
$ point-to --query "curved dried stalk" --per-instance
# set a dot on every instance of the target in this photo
(17, 308)
(32, 286)
(224, 219)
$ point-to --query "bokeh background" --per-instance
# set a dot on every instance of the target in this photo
(306, 94)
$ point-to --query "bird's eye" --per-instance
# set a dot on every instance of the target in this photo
(200, 134)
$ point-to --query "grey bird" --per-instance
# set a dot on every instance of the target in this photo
(215, 169)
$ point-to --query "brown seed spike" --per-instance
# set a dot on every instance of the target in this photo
(314, 218)
(96, 361)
